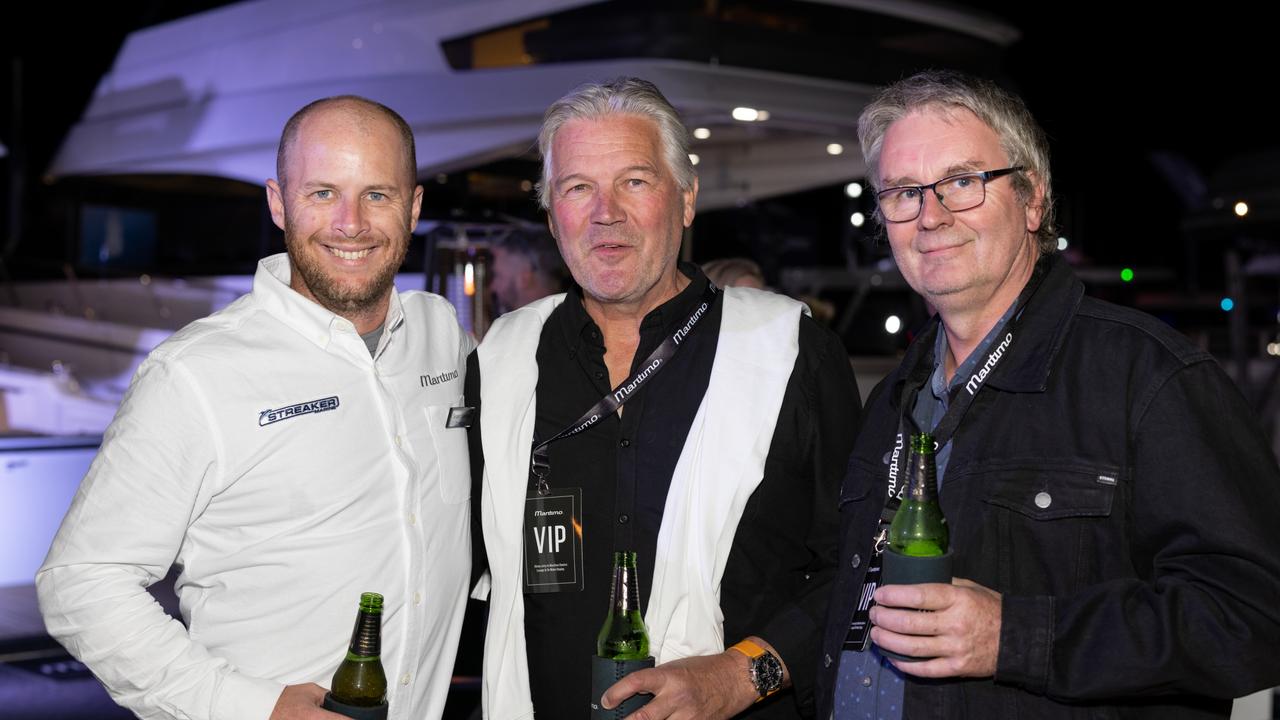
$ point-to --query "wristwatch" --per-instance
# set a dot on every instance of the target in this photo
(765, 668)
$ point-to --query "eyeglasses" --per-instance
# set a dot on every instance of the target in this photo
(956, 193)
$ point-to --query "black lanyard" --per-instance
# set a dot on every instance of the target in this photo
(540, 466)
(858, 635)
(945, 429)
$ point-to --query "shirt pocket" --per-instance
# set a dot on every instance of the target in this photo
(1050, 528)
(450, 445)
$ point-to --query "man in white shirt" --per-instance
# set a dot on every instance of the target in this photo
(286, 453)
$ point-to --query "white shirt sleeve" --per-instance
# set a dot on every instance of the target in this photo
(157, 469)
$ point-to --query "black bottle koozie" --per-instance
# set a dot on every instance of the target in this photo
(898, 569)
(901, 569)
(352, 711)
(604, 673)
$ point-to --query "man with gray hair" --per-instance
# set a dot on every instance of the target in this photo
(1111, 502)
(720, 472)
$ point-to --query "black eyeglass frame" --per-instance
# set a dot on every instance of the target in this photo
(985, 176)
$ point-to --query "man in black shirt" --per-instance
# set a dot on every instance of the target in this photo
(721, 471)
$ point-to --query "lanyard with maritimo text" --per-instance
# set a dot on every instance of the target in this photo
(540, 466)
(860, 628)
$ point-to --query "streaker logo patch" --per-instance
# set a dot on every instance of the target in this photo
(425, 380)
(266, 417)
(976, 381)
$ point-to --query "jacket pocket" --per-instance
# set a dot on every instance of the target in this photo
(1049, 528)
(859, 480)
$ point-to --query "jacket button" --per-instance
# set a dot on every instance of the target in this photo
(826, 660)
(856, 561)
(1043, 500)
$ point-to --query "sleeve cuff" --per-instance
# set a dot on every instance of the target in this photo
(1026, 642)
(241, 697)
(794, 636)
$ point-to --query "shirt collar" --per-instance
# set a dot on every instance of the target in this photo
(1042, 329)
(941, 390)
(577, 325)
(316, 323)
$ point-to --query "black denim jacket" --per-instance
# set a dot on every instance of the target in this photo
(1112, 484)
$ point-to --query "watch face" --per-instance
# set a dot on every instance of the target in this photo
(766, 672)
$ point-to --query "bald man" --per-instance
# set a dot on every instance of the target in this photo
(286, 454)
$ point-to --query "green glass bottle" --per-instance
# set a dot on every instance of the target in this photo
(919, 528)
(360, 680)
(623, 636)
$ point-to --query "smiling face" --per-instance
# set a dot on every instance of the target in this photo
(347, 204)
(616, 211)
(974, 260)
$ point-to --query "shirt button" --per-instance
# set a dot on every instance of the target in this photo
(404, 679)
(413, 518)
(1043, 500)
(866, 681)
(624, 518)
(417, 598)
(624, 442)
(856, 561)
(826, 660)
(599, 374)
(399, 441)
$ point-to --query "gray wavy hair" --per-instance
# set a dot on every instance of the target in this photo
(1021, 137)
(620, 96)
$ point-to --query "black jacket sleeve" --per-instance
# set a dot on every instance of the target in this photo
(811, 445)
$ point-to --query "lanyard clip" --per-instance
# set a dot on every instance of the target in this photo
(540, 468)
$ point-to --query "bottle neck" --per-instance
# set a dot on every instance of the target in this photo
(626, 588)
(366, 638)
(924, 478)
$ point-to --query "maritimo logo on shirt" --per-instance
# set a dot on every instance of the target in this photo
(425, 380)
(266, 417)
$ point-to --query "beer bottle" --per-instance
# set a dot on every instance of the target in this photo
(359, 687)
(623, 636)
(622, 647)
(918, 528)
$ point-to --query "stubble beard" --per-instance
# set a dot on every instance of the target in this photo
(336, 297)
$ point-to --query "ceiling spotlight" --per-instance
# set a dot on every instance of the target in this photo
(1062, 243)
(702, 133)
(857, 219)
(835, 149)
(892, 324)
(853, 189)
(693, 158)
(746, 114)
(1242, 209)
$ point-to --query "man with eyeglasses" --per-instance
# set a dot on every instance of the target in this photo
(1111, 501)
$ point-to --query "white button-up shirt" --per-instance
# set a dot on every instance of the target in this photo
(285, 471)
